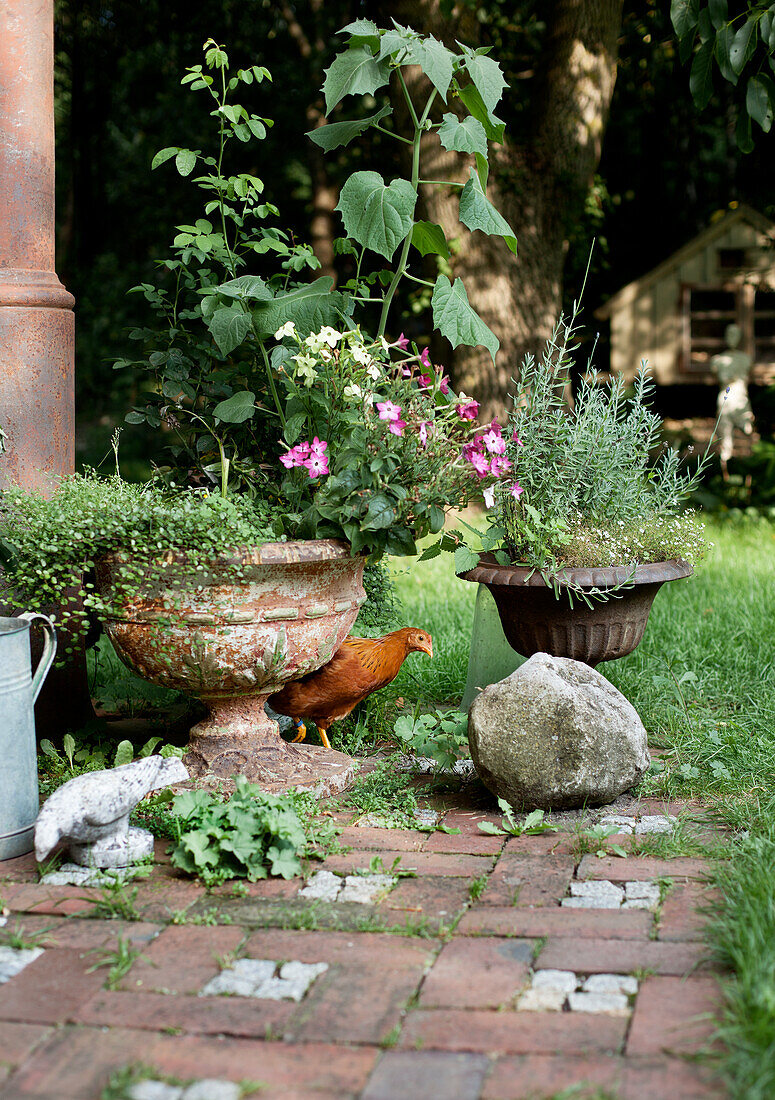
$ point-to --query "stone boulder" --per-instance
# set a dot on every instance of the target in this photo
(556, 735)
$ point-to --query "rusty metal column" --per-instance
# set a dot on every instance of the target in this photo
(37, 325)
(36, 312)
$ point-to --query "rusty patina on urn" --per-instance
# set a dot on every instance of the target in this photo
(233, 633)
(537, 620)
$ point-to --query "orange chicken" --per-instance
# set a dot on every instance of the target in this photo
(359, 667)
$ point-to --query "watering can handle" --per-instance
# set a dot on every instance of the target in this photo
(49, 649)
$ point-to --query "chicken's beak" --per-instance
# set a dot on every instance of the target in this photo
(427, 647)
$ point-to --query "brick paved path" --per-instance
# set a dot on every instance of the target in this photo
(492, 989)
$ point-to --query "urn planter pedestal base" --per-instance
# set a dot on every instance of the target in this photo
(238, 738)
(233, 631)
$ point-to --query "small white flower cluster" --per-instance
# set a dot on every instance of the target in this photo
(652, 538)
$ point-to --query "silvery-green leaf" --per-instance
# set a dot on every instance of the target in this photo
(342, 133)
(246, 286)
(376, 214)
(477, 212)
(309, 307)
(354, 72)
(236, 409)
(463, 135)
(229, 327)
(454, 317)
(488, 78)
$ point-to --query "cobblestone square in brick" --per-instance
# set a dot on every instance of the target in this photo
(484, 968)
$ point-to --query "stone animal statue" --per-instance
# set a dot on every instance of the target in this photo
(90, 813)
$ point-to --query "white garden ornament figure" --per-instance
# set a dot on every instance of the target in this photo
(91, 813)
(732, 368)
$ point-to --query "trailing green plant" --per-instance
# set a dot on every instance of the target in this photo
(251, 835)
(256, 372)
(441, 735)
(50, 547)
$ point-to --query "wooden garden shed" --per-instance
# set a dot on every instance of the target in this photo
(675, 315)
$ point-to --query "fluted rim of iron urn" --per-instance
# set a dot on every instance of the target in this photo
(489, 571)
(296, 552)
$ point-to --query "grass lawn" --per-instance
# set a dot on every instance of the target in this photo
(703, 681)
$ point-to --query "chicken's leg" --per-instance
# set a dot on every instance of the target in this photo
(301, 730)
(324, 736)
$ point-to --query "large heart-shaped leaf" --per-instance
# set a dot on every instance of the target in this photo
(342, 133)
(455, 319)
(229, 327)
(477, 212)
(246, 286)
(309, 307)
(487, 77)
(463, 135)
(376, 214)
(236, 409)
(354, 72)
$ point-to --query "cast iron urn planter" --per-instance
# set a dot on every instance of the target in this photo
(536, 620)
(233, 633)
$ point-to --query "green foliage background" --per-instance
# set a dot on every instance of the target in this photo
(665, 170)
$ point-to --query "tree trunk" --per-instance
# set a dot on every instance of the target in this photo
(538, 185)
(312, 49)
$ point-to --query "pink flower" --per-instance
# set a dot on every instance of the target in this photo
(402, 342)
(425, 358)
(388, 411)
(468, 411)
(444, 384)
(499, 465)
(516, 490)
(480, 463)
(406, 372)
(296, 455)
(423, 434)
(397, 426)
(517, 440)
(317, 464)
(424, 381)
(317, 447)
(493, 440)
(473, 448)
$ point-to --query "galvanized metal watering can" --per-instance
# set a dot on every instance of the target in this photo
(19, 688)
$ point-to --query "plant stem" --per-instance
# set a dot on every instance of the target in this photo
(222, 129)
(268, 367)
(422, 282)
(390, 133)
(444, 183)
(401, 268)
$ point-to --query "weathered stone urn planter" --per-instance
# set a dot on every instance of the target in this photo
(232, 634)
(535, 620)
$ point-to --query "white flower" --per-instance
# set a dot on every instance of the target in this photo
(360, 355)
(329, 336)
(368, 399)
(373, 371)
(314, 343)
(288, 329)
(489, 496)
(384, 344)
(352, 392)
(305, 368)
